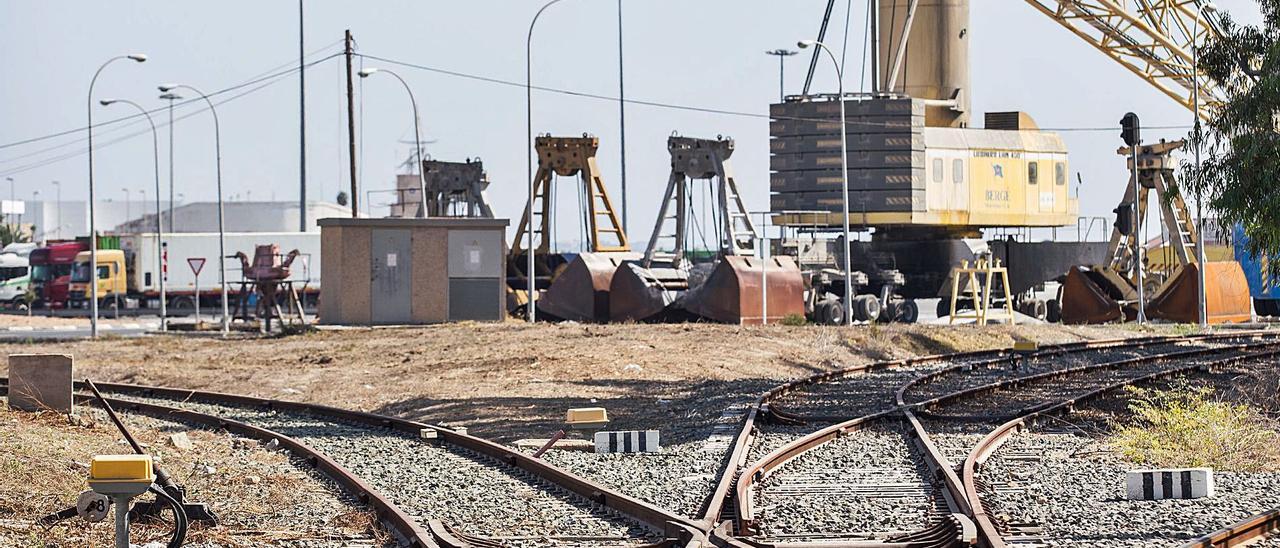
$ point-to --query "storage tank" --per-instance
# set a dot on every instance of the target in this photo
(934, 62)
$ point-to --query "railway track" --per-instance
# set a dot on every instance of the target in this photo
(919, 500)
(431, 486)
(1039, 397)
(804, 465)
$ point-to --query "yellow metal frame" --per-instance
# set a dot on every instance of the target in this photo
(567, 157)
(1151, 38)
(980, 278)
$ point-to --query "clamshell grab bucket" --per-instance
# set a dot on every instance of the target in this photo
(581, 291)
(732, 292)
(1226, 289)
(1089, 297)
(645, 294)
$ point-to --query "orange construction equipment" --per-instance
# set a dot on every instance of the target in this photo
(1109, 292)
(735, 287)
(572, 286)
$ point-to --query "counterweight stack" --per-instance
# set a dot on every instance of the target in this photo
(576, 285)
(731, 288)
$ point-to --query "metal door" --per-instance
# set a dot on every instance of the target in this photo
(391, 272)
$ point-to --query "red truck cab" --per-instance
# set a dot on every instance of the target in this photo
(51, 271)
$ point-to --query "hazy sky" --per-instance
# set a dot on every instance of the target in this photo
(704, 53)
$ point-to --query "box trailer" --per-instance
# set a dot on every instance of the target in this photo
(133, 270)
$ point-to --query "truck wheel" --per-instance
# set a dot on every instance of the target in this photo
(866, 308)
(944, 307)
(1053, 311)
(1041, 310)
(908, 311)
(833, 312)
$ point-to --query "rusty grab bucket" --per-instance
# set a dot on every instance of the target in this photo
(1226, 291)
(732, 292)
(645, 294)
(1089, 296)
(581, 290)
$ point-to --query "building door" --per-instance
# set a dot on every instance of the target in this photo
(391, 277)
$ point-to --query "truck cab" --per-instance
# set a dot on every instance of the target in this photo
(15, 277)
(51, 271)
(111, 278)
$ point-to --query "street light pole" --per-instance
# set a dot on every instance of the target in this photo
(1202, 307)
(782, 55)
(12, 199)
(844, 180)
(171, 97)
(622, 122)
(128, 215)
(528, 110)
(93, 227)
(155, 146)
(222, 232)
(417, 137)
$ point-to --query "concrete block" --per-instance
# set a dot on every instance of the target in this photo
(1170, 483)
(633, 441)
(587, 417)
(39, 382)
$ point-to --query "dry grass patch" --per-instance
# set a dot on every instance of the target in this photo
(1187, 426)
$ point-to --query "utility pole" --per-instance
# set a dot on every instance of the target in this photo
(302, 128)
(351, 126)
(622, 121)
(782, 55)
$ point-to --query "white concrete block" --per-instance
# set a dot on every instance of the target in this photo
(634, 441)
(1169, 483)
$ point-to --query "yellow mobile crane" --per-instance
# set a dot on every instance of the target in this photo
(927, 181)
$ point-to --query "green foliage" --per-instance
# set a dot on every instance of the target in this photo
(1241, 166)
(10, 234)
(794, 320)
(1186, 427)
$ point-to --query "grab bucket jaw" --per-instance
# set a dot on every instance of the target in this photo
(581, 291)
(732, 292)
(641, 294)
(1226, 290)
(1091, 296)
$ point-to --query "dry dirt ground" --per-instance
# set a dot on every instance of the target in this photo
(38, 321)
(260, 497)
(511, 380)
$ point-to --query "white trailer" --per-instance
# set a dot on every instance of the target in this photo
(140, 250)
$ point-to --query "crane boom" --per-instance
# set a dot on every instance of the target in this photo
(1151, 38)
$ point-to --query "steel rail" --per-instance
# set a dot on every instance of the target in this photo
(737, 487)
(988, 532)
(657, 519)
(1242, 533)
(926, 405)
(400, 523)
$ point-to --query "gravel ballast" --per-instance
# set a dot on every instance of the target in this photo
(468, 491)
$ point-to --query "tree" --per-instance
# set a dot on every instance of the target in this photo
(1239, 174)
(10, 234)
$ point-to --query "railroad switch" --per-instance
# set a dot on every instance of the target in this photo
(121, 477)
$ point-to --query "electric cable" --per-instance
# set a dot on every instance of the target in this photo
(179, 517)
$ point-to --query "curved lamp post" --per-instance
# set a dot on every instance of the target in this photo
(155, 147)
(93, 227)
(844, 180)
(417, 137)
(528, 114)
(222, 233)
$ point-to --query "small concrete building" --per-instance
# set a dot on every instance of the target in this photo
(412, 271)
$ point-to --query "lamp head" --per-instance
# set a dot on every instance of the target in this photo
(167, 87)
(171, 96)
(804, 44)
(139, 57)
(364, 73)
(106, 102)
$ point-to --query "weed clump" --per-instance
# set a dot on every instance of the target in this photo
(1186, 427)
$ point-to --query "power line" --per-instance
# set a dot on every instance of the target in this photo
(139, 117)
(262, 83)
(691, 108)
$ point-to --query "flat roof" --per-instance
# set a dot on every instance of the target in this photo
(429, 222)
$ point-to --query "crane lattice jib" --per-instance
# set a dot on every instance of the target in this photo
(1151, 38)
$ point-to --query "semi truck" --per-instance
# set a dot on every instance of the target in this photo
(129, 276)
(15, 278)
(51, 271)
